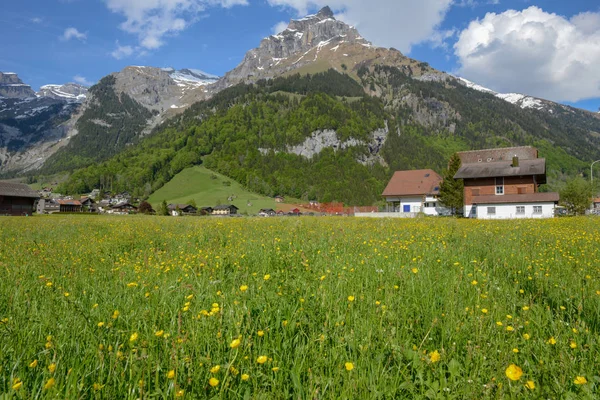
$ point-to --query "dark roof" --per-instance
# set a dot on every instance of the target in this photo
(17, 190)
(501, 169)
(225, 207)
(124, 204)
(517, 198)
(266, 210)
(180, 206)
(416, 182)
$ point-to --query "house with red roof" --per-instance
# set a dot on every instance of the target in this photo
(414, 191)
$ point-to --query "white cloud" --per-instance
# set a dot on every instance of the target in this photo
(122, 51)
(533, 52)
(279, 27)
(82, 81)
(152, 20)
(388, 23)
(36, 20)
(73, 33)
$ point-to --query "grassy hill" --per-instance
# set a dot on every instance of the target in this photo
(208, 188)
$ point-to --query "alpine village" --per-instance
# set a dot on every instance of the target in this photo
(171, 233)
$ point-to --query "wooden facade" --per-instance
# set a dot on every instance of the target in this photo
(17, 199)
(487, 186)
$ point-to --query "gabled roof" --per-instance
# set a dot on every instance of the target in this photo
(517, 198)
(501, 169)
(17, 190)
(413, 183)
(124, 204)
(180, 206)
(225, 207)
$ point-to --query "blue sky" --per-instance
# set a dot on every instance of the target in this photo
(549, 49)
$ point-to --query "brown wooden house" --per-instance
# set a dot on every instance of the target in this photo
(69, 205)
(503, 183)
(17, 199)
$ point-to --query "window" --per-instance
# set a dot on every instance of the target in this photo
(520, 210)
(499, 185)
(430, 204)
(491, 210)
(537, 209)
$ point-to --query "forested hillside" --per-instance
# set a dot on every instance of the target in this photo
(246, 133)
(107, 125)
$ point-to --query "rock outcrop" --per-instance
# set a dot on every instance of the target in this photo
(12, 87)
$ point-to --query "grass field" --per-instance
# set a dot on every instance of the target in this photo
(302, 308)
(209, 188)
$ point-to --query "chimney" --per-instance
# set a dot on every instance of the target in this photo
(515, 162)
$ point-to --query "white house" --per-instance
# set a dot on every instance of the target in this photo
(414, 192)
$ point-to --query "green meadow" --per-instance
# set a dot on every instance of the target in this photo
(142, 307)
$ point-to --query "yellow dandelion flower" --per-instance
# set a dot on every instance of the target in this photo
(530, 385)
(415, 270)
(67, 294)
(499, 323)
(580, 380)
(159, 333)
(49, 384)
(261, 333)
(97, 386)
(134, 336)
(350, 299)
(261, 359)
(245, 377)
(515, 350)
(510, 328)
(116, 314)
(526, 336)
(17, 384)
(484, 310)
(474, 282)
(434, 356)
(213, 382)
(100, 324)
(215, 369)
(514, 372)
(525, 308)
(349, 366)
(275, 369)
(573, 345)
(243, 288)
(52, 368)
(33, 364)
(171, 374)
(235, 343)
(180, 393)
(267, 277)
(552, 341)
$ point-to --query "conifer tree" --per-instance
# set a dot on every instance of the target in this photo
(452, 190)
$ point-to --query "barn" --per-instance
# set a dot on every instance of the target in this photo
(16, 199)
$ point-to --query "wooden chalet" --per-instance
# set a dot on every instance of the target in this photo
(267, 212)
(17, 199)
(205, 210)
(503, 183)
(226, 209)
(180, 209)
(73, 206)
(124, 207)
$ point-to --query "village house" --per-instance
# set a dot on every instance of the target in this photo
(47, 206)
(181, 209)
(88, 204)
(503, 183)
(68, 205)
(227, 209)
(124, 207)
(414, 192)
(267, 212)
(17, 199)
(206, 210)
(279, 199)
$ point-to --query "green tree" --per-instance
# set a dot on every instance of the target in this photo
(452, 190)
(192, 203)
(145, 208)
(577, 196)
(162, 208)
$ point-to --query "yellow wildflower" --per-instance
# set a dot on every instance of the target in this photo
(415, 270)
(33, 364)
(171, 374)
(573, 345)
(580, 380)
(261, 333)
(17, 383)
(245, 377)
(134, 336)
(267, 277)
(552, 341)
(530, 385)
(52, 368)
(215, 369)
(350, 299)
(514, 372)
(213, 382)
(49, 384)
(159, 333)
(261, 359)
(434, 356)
(526, 336)
(349, 366)
(243, 288)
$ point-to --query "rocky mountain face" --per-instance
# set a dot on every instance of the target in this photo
(34, 125)
(12, 87)
(312, 44)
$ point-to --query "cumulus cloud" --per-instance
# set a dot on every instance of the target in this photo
(152, 20)
(122, 51)
(279, 27)
(82, 80)
(533, 52)
(388, 23)
(73, 33)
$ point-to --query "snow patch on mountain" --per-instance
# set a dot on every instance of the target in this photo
(70, 92)
(521, 100)
(191, 77)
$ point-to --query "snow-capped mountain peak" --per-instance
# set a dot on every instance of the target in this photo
(191, 77)
(519, 99)
(72, 92)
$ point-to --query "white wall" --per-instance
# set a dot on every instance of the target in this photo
(509, 211)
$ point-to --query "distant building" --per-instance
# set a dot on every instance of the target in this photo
(503, 183)
(227, 209)
(279, 199)
(181, 209)
(124, 207)
(414, 192)
(17, 199)
(47, 206)
(88, 204)
(69, 205)
(267, 212)
(206, 210)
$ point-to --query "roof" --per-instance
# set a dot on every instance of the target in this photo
(225, 207)
(517, 198)
(69, 202)
(180, 206)
(597, 200)
(416, 182)
(501, 169)
(17, 190)
(124, 204)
